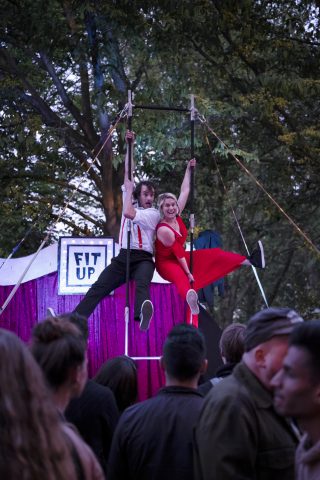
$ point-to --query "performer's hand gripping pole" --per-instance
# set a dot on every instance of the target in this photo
(129, 157)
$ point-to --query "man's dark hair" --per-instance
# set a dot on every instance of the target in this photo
(232, 342)
(79, 320)
(137, 191)
(120, 375)
(307, 336)
(183, 352)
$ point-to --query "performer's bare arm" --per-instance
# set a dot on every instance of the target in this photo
(185, 186)
(184, 265)
(129, 136)
(166, 236)
(128, 209)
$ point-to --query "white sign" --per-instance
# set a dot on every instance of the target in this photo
(80, 262)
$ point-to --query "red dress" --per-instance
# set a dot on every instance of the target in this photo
(208, 264)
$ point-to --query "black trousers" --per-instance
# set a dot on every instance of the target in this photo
(114, 275)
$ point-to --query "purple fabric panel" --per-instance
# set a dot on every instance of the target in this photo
(21, 313)
(47, 288)
(106, 324)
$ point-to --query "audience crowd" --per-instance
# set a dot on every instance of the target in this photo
(258, 418)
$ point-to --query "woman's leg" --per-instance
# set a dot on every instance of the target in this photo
(173, 272)
(213, 263)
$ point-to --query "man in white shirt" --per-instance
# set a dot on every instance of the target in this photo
(144, 218)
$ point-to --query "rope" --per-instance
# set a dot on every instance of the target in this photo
(62, 211)
(34, 222)
(16, 248)
(202, 119)
(259, 184)
(239, 227)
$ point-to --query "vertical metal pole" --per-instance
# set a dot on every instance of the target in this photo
(191, 218)
(127, 308)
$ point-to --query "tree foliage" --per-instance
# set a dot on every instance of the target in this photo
(65, 69)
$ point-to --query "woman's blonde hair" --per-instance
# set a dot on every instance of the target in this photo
(162, 198)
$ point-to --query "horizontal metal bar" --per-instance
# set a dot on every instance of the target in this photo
(157, 107)
(145, 358)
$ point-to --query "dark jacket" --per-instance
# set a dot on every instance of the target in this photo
(222, 372)
(95, 414)
(239, 435)
(153, 439)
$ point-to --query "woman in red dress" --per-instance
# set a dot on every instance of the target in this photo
(173, 262)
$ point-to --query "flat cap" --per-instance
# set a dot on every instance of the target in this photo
(269, 323)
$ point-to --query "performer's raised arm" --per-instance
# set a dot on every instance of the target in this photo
(185, 185)
(130, 136)
(128, 209)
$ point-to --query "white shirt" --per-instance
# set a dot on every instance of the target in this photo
(143, 228)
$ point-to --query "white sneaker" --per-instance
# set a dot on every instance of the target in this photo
(192, 301)
(146, 315)
(51, 313)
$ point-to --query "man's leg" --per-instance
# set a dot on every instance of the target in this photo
(142, 273)
(109, 279)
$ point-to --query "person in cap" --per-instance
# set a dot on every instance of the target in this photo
(239, 434)
(297, 394)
